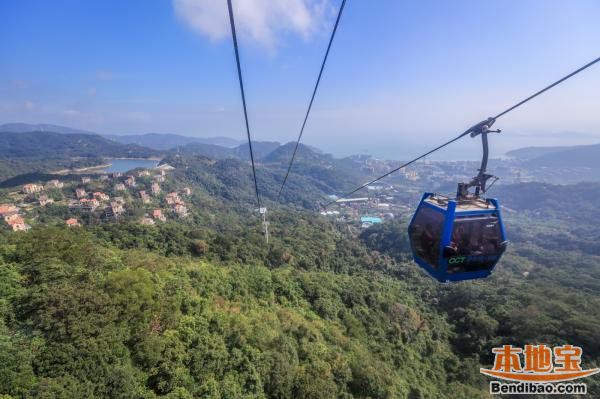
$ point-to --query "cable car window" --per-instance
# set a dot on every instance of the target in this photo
(476, 244)
(426, 233)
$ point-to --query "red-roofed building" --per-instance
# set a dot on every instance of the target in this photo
(16, 223)
(8, 209)
(157, 214)
(72, 222)
(100, 196)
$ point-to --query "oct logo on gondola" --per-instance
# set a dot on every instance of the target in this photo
(457, 260)
(544, 370)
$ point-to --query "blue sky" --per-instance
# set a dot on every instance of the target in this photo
(402, 75)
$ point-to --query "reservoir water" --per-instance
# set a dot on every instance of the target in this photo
(124, 165)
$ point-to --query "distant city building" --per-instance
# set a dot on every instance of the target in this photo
(144, 172)
(32, 188)
(44, 200)
(411, 175)
(330, 213)
(157, 214)
(349, 200)
(145, 197)
(368, 221)
(80, 193)
(159, 178)
(181, 210)
(172, 198)
(147, 221)
(116, 208)
(89, 205)
(130, 181)
(164, 167)
(119, 187)
(186, 191)
(117, 174)
(155, 188)
(104, 177)
(100, 196)
(85, 179)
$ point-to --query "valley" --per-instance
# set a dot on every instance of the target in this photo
(159, 277)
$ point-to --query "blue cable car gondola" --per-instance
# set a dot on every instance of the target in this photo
(457, 240)
(462, 238)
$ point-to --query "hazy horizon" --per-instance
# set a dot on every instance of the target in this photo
(466, 149)
(401, 77)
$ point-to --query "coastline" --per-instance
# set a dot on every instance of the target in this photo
(82, 170)
(99, 168)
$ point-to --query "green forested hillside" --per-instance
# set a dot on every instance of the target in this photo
(122, 310)
(41, 145)
(45, 151)
(81, 319)
(202, 307)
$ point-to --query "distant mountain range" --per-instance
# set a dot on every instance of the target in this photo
(45, 151)
(39, 127)
(42, 145)
(587, 156)
(167, 141)
(155, 141)
(43, 142)
(260, 148)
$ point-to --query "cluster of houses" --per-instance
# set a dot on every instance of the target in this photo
(89, 202)
(176, 203)
(13, 218)
(172, 199)
(113, 207)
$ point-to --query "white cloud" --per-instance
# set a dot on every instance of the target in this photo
(264, 21)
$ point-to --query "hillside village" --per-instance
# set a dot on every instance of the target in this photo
(105, 197)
